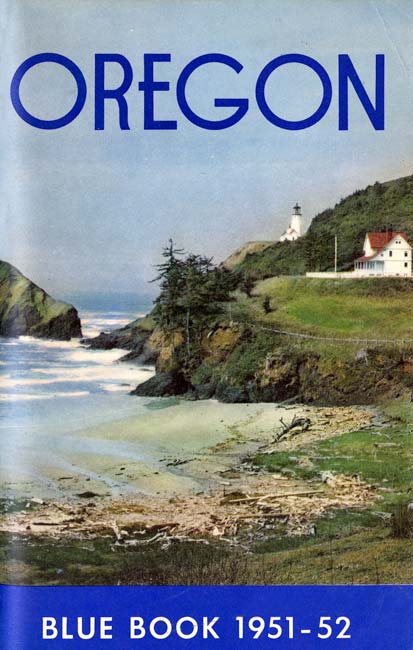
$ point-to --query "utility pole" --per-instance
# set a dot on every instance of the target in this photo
(335, 254)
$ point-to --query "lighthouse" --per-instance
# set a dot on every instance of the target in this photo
(295, 228)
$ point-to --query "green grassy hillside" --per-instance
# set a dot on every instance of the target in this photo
(365, 308)
(374, 208)
(280, 258)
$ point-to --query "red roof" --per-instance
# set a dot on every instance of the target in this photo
(379, 240)
(364, 258)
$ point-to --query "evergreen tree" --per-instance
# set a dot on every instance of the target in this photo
(192, 291)
(171, 280)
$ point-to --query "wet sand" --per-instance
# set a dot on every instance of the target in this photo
(172, 448)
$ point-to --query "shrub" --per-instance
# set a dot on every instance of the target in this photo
(266, 305)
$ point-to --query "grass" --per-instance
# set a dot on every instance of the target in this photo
(350, 548)
(354, 453)
(247, 356)
(382, 457)
(363, 557)
(94, 562)
(360, 545)
(354, 308)
(362, 309)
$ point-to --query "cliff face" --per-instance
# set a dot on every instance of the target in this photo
(243, 365)
(25, 309)
(246, 360)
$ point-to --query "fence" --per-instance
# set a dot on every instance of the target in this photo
(331, 339)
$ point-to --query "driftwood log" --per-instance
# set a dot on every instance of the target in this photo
(299, 424)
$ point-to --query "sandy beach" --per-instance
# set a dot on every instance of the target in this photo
(172, 448)
(168, 448)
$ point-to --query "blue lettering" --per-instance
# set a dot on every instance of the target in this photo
(149, 86)
(346, 72)
(102, 93)
(241, 104)
(48, 57)
(269, 113)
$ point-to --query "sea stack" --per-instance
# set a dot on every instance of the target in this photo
(26, 309)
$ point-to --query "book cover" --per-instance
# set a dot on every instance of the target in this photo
(206, 335)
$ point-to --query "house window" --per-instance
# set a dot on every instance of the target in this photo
(406, 254)
(390, 253)
(406, 265)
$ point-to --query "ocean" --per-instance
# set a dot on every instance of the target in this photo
(70, 430)
(49, 387)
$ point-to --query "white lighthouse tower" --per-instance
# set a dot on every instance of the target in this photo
(295, 229)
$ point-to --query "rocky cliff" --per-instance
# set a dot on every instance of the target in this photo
(246, 360)
(248, 364)
(26, 309)
(242, 364)
(138, 337)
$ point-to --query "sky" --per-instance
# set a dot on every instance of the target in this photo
(90, 211)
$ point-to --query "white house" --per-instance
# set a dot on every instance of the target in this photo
(385, 253)
(295, 228)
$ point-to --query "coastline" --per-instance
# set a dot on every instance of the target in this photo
(209, 464)
(317, 507)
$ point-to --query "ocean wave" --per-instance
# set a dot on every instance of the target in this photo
(111, 314)
(46, 343)
(40, 369)
(18, 397)
(105, 377)
(106, 321)
(101, 357)
(114, 388)
(72, 350)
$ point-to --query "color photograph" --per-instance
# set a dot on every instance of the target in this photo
(206, 292)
